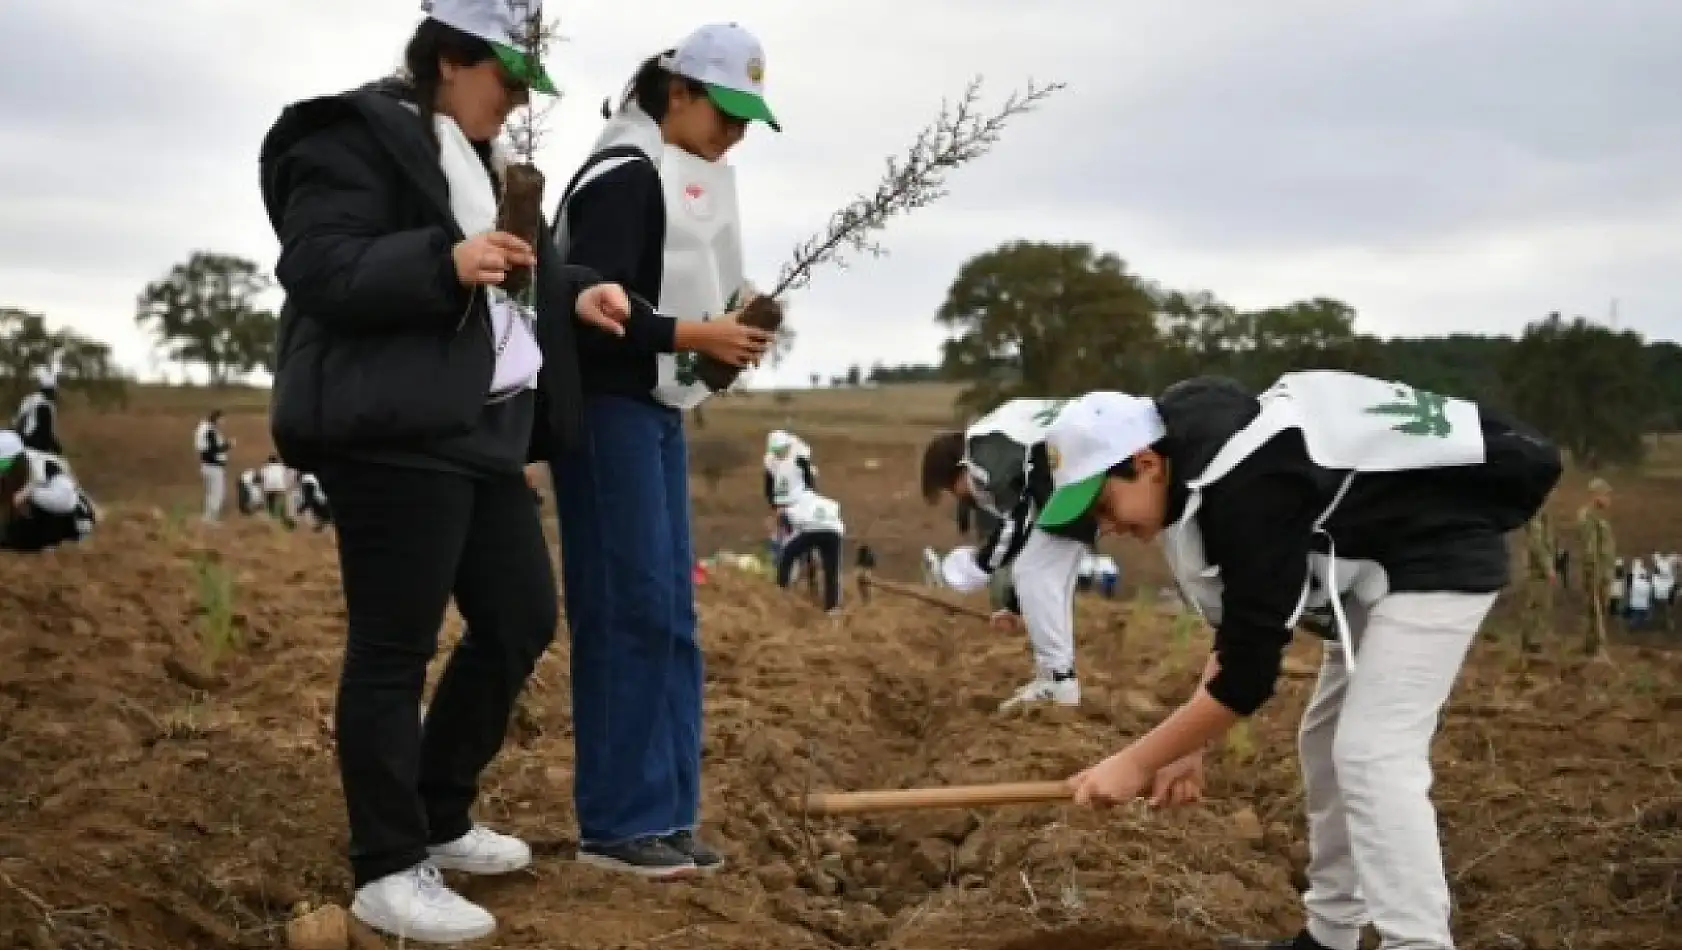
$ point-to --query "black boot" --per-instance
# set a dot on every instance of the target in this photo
(1302, 941)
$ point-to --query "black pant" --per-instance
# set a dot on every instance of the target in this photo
(408, 539)
(828, 546)
(276, 502)
(36, 530)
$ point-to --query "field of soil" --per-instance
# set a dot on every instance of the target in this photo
(167, 779)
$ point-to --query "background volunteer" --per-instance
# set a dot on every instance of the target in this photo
(999, 464)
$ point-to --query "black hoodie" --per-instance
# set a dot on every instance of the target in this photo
(1431, 530)
(382, 354)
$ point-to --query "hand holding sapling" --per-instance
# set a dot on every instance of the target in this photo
(487, 258)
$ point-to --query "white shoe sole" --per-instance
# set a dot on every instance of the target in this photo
(484, 866)
(680, 873)
(419, 935)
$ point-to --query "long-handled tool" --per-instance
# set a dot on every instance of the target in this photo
(947, 796)
(915, 594)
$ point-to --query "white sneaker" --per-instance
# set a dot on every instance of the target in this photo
(1044, 689)
(482, 851)
(415, 905)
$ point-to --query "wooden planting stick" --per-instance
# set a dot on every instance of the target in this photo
(915, 594)
(948, 796)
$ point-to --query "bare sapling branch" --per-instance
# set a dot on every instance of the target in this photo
(961, 133)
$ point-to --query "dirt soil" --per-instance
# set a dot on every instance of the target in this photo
(167, 779)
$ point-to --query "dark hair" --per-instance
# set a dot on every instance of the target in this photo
(650, 88)
(942, 460)
(434, 41)
(1127, 471)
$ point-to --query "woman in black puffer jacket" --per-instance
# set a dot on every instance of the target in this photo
(417, 391)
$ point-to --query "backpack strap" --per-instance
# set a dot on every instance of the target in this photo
(611, 153)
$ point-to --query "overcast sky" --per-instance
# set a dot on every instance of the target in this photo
(1443, 165)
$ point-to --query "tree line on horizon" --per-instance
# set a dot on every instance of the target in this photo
(1034, 319)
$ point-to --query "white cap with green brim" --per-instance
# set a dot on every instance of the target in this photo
(1090, 436)
(11, 449)
(728, 61)
(498, 23)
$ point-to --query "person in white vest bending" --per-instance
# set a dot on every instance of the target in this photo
(1383, 503)
(999, 465)
(212, 448)
(44, 505)
(250, 492)
(36, 421)
(653, 208)
(812, 524)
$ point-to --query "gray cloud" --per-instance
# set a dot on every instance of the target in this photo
(1444, 165)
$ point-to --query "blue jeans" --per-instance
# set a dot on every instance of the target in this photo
(623, 501)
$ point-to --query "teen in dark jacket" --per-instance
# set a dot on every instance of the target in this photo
(383, 200)
(1386, 506)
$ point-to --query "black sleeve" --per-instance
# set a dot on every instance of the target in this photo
(340, 261)
(44, 429)
(805, 466)
(770, 488)
(607, 231)
(1258, 530)
(1008, 537)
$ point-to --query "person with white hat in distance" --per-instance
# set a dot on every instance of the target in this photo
(1397, 502)
(44, 504)
(654, 208)
(36, 421)
(998, 464)
(788, 469)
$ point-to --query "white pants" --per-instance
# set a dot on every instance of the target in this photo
(1365, 742)
(1043, 574)
(215, 489)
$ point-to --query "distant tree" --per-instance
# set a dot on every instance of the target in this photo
(855, 376)
(904, 373)
(204, 312)
(1583, 385)
(1067, 317)
(83, 365)
(817, 380)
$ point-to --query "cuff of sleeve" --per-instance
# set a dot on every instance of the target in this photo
(649, 331)
(1245, 680)
(449, 283)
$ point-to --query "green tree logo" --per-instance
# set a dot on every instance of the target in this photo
(1048, 415)
(1420, 412)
